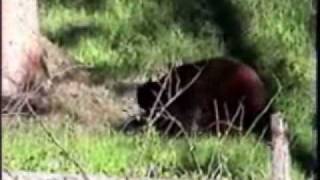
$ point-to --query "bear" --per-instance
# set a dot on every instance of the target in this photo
(216, 95)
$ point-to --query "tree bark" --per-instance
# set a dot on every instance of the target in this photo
(280, 148)
(21, 51)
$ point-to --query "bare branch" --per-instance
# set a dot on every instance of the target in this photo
(177, 94)
(266, 107)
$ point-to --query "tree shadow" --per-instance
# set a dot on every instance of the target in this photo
(302, 157)
(223, 15)
(89, 6)
(70, 35)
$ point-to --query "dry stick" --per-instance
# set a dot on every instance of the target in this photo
(266, 107)
(57, 144)
(178, 81)
(170, 82)
(216, 172)
(219, 170)
(158, 99)
(231, 124)
(28, 88)
(52, 138)
(173, 119)
(181, 91)
(172, 122)
(6, 109)
(25, 99)
(13, 104)
(226, 111)
(259, 140)
(215, 104)
(190, 144)
(269, 104)
(14, 114)
(22, 99)
(211, 175)
(177, 78)
(11, 100)
(238, 112)
(177, 85)
(185, 88)
(73, 67)
(154, 106)
(177, 94)
(242, 116)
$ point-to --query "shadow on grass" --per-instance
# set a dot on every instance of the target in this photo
(89, 6)
(70, 35)
(302, 157)
(223, 15)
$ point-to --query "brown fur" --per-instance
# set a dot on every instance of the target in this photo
(221, 82)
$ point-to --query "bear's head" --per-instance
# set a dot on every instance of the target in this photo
(147, 94)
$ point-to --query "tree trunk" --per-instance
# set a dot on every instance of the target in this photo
(21, 50)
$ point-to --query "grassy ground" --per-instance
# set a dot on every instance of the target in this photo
(122, 38)
(117, 154)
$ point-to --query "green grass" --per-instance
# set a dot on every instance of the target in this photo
(122, 38)
(117, 154)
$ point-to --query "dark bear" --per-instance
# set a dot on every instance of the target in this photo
(214, 95)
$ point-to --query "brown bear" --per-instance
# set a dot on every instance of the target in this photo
(215, 95)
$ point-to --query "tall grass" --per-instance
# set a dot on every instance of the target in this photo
(117, 154)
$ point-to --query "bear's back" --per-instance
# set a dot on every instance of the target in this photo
(206, 89)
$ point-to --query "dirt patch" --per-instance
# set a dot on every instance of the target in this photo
(71, 92)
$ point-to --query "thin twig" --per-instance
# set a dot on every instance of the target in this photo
(57, 144)
(266, 107)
